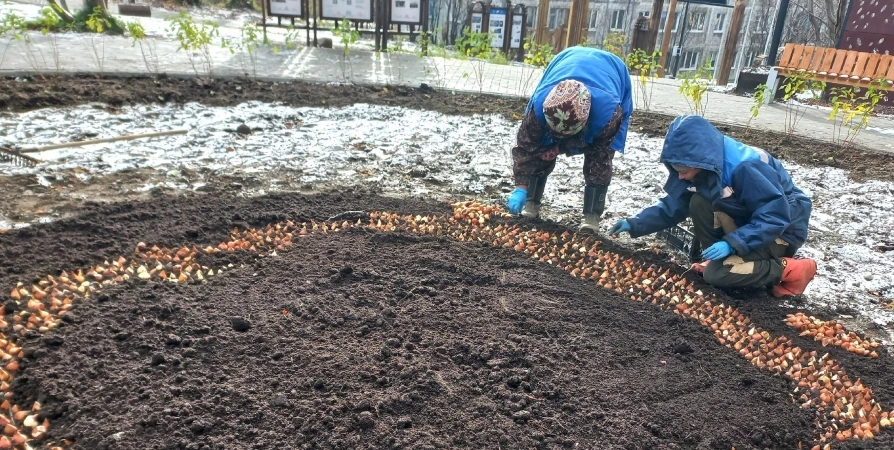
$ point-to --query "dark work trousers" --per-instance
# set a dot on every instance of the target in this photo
(759, 269)
(597, 165)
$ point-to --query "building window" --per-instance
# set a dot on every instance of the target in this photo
(664, 22)
(645, 13)
(532, 17)
(749, 60)
(591, 24)
(719, 22)
(689, 61)
(697, 22)
(557, 17)
(617, 19)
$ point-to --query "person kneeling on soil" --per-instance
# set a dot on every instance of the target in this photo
(581, 106)
(746, 212)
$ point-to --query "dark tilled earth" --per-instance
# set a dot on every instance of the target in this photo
(16, 95)
(380, 340)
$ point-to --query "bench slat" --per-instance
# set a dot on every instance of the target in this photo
(843, 65)
(797, 53)
(840, 57)
(828, 59)
(806, 57)
(860, 66)
(890, 75)
(871, 67)
(883, 65)
(785, 61)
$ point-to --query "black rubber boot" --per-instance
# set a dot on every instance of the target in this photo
(594, 206)
(536, 186)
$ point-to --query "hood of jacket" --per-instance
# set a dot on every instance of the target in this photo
(692, 141)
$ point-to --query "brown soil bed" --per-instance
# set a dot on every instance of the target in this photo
(381, 340)
(35, 93)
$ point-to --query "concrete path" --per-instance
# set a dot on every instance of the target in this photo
(79, 53)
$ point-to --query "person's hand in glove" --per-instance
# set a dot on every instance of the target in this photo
(718, 251)
(516, 200)
(620, 227)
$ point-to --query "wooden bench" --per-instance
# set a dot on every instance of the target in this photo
(832, 65)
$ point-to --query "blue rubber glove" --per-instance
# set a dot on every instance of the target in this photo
(516, 200)
(718, 251)
(620, 227)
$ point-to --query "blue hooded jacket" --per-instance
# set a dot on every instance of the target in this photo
(746, 183)
(607, 79)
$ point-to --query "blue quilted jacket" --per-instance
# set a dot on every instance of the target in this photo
(748, 184)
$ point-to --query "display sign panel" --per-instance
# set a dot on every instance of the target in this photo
(516, 38)
(360, 10)
(497, 26)
(406, 11)
(476, 21)
(286, 8)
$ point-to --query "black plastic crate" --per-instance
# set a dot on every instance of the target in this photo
(683, 240)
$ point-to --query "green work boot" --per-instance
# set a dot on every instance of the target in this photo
(536, 185)
(594, 206)
(532, 210)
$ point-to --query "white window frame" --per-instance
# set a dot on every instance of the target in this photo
(664, 22)
(691, 64)
(719, 22)
(647, 13)
(593, 19)
(531, 19)
(693, 22)
(757, 28)
(554, 14)
(749, 59)
(617, 19)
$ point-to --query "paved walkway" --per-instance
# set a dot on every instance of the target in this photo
(77, 53)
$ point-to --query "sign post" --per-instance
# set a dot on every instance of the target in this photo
(291, 9)
(477, 15)
(408, 12)
(517, 36)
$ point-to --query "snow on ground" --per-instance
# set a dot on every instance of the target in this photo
(410, 152)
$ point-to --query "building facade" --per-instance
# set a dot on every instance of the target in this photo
(694, 42)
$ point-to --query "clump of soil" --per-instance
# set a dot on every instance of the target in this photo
(375, 340)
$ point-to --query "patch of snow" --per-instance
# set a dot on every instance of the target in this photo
(881, 130)
(410, 152)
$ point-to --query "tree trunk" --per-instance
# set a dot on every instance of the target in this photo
(62, 10)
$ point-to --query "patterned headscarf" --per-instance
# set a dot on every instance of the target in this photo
(567, 108)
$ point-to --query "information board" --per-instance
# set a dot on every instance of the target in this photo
(360, 10)
(515, 40)
(406, 11)
(476, 22)
(286, 8)
(497, 26)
